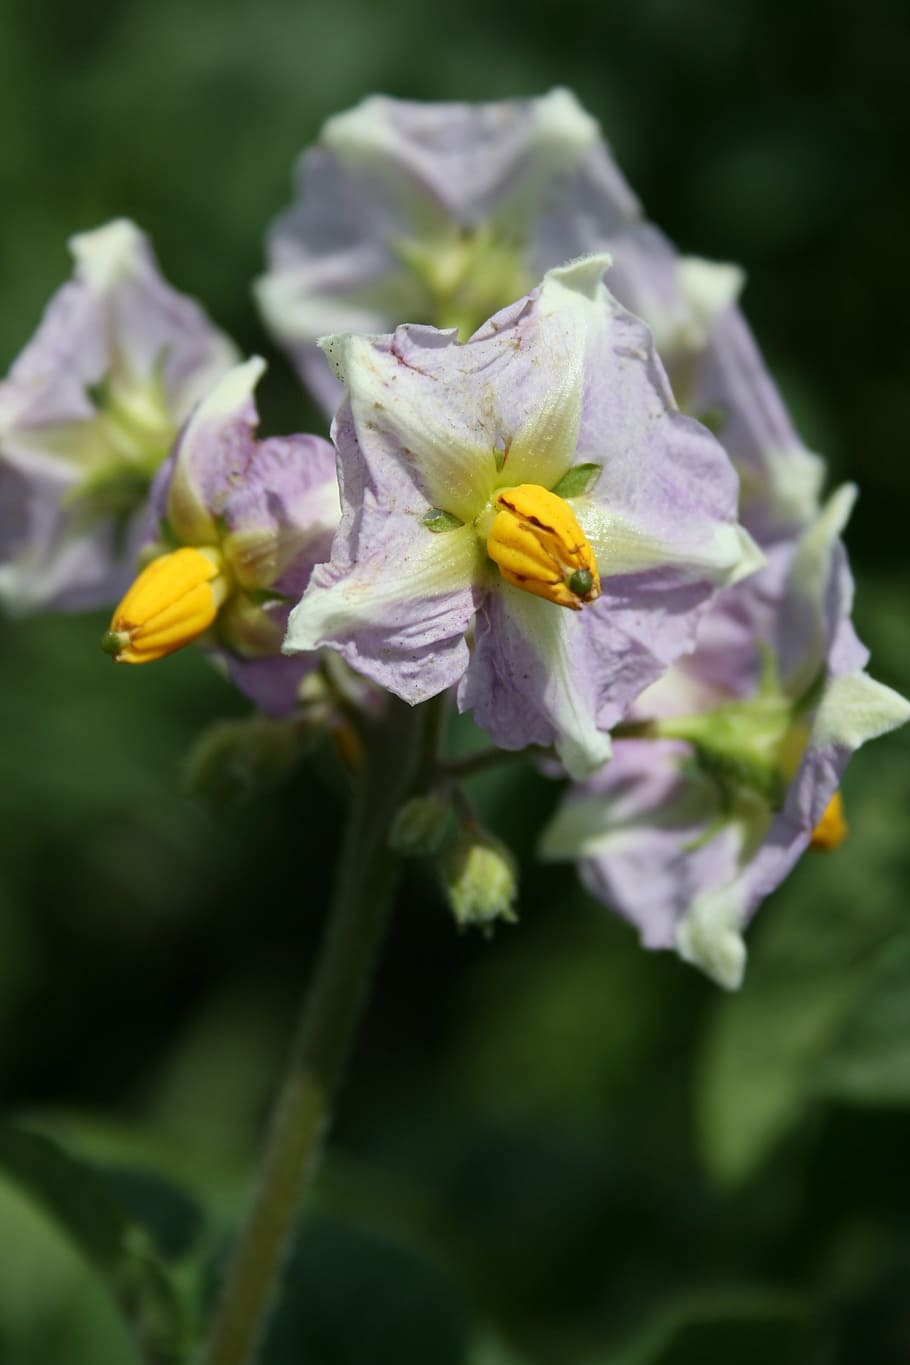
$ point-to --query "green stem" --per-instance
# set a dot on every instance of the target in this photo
(396, 754)
(485, 759)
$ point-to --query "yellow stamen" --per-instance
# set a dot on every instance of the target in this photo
(539, 546)
(831, 830)
(172, 601)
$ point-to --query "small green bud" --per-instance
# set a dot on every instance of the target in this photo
(422, 827)
(236, 759)
(480, 880)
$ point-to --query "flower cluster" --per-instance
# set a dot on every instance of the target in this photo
(568, 493)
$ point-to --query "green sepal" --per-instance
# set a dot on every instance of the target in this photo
(577, 480)
(263, 596)
(437, 520)
(747, 748)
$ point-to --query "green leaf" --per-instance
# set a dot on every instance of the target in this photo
(437, 520)
(83, 1205)
(870, 1062)
(577, 480)
(54, 1308)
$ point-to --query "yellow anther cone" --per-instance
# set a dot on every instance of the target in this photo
(831, 830)
(172, 601)
(538, 545)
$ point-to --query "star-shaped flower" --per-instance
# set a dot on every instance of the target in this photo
(525, 514)
(88, 413)
(691, 825)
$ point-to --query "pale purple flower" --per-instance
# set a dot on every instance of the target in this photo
(88, 414)
(266, 511)
(443, 213)
(431, 437)
(686, 831)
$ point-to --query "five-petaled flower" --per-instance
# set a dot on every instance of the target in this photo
(691, 825)
(526, 515)
(442, 213)
(88, 413)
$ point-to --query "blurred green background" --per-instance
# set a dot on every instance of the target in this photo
(553, 1149)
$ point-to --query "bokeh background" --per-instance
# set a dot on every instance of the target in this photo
(553, 1149)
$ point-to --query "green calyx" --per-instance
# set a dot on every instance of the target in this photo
(577, 480)
(438, 520)
(480, 880)
(750, 749)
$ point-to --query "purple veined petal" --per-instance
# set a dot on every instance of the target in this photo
(781, 479)
(545, 675)
(666, 495)
(398, 616)
(412, 403)
(220, 429)
(637, 829)
(728, 660)
(819, 595)
(281, 510)
(463, 161)
(570, 308)
(45, 555)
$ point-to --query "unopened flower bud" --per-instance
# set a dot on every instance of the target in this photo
(422, 827)
(480, 880)
(235, 759)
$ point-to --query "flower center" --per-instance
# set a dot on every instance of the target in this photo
(536, 542)
(173, 601)
(468, 274)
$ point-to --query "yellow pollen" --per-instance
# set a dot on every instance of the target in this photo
(831, 830)
(536, 541)
(172, 601)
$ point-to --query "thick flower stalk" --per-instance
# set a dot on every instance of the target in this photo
(236, 527)
(526, 515)
(737, 770)
(88, 414)
(442, 213)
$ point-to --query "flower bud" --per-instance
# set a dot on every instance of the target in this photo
(480, 880)
(236, 759)
(422, 827)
